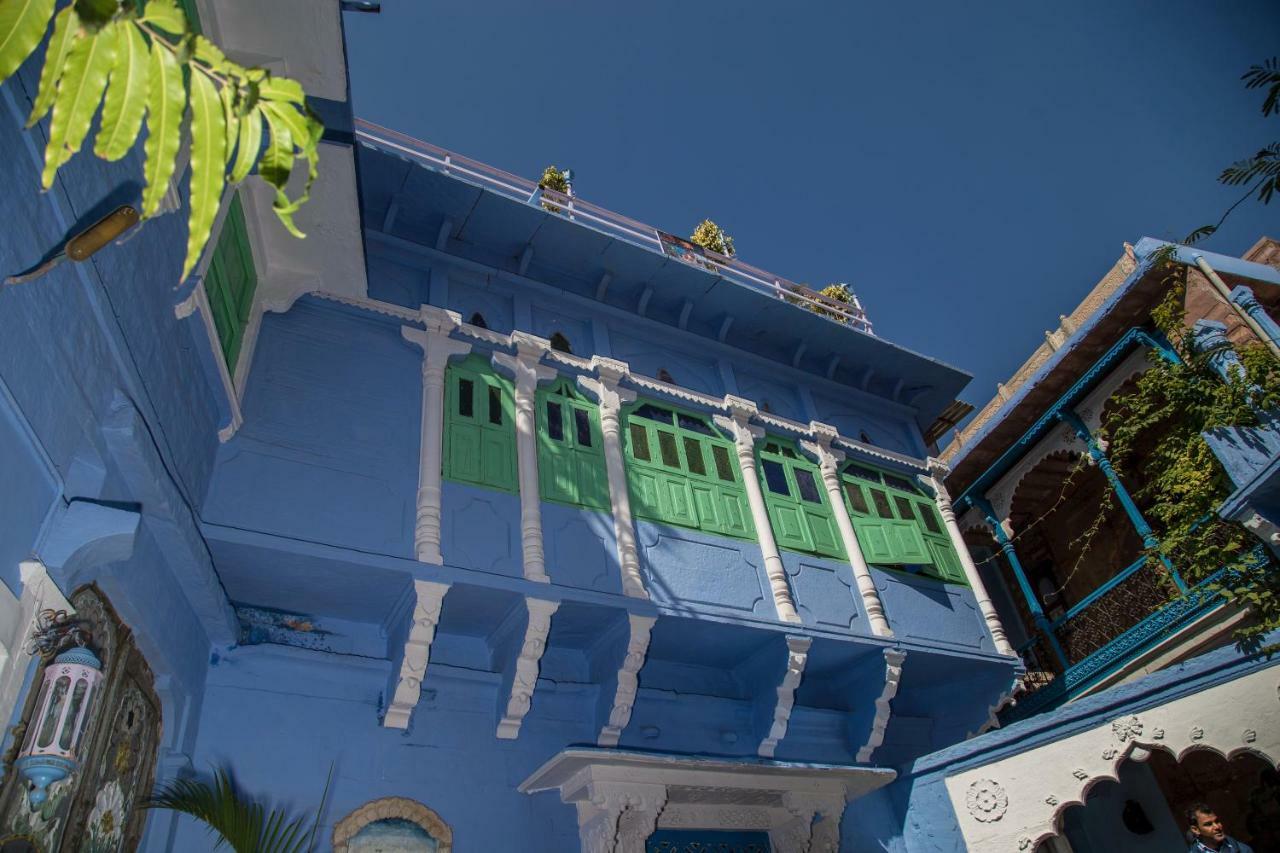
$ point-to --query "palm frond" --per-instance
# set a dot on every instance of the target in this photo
(1267, 74)
(235, 820)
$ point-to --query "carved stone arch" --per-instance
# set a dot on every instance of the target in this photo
(1018, 496)
(1060, 440)
(392, 808)
(1093, 408)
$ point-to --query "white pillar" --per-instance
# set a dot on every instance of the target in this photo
(437, 349)
(829, 461)
(938, 472)
(528, 373)
(610, 399)
(744, 437)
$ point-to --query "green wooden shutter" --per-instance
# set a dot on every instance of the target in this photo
(230, 282)
(680, 470)
(797, 504)
(479, 436)
(571, 466)
(887, 525)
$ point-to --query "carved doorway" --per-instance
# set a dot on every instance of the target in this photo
(95, 809)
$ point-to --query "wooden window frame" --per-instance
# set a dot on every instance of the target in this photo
(676, 494)
(798, 524)
(569, 472)
(494, 445)
(231, 311)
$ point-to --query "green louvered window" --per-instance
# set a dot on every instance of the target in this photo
(898, 524)
(797, 502)
(479, 426)
(681, 470)
(230, 282)
(570, 449)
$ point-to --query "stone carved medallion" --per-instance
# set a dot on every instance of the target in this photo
(987, 800)
(1127, 728)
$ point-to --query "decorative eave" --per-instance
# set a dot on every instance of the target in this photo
(718, 778)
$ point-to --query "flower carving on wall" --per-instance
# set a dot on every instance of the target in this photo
(1051, 800)
(1197, 733)
(987, 800)
(1024, 843)
(1080, 773)
(1127, 729)
(1249, 736)
(1110, 753)
(1157, 734)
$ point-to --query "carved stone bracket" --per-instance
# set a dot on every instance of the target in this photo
(628, 681)
(527, 663)
(797, 655)
(429, 598)
(893, 659)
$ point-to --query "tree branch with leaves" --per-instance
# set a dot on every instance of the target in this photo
(141, 62)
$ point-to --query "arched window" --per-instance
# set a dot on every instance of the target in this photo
(480, 432)
(96, 806)
(392, 823)
(477, 320)
(560, 343)
(897, 523)
(570, 449)
(682, 471)
(797, 502)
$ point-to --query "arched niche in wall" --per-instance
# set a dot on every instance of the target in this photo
(392, 823)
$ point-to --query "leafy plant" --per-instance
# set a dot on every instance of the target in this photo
(236, 821)
(1159, 426)
(711, 236)
(1261, 172)
(838, 292)
(140, 61)
(553, 179)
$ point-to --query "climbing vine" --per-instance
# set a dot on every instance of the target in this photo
(1157, 429)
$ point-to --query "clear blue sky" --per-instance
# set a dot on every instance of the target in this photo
(971, 169)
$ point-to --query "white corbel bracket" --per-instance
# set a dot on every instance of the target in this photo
(428, 599)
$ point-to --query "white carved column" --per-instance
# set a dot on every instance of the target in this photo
(618, 817)
(744, 437)
(526, 674)
(797, 656)
(628, 680)
(814, 826)
(610, 399)
(528, 373)
(437, 349)
(938, 472)
(829, 461)
(429, 597)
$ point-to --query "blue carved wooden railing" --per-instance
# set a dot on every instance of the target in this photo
(1118, 636)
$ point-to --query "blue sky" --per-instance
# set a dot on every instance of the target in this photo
(971, 169)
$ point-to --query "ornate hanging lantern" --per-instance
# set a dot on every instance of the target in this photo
(58, 720)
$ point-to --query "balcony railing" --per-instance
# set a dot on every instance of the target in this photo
(607, 222)
(1133, 612)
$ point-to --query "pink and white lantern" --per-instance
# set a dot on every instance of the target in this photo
(57, 725)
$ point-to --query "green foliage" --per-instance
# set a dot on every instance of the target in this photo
(553, 179)
(1261, 172)
(1158, 428)
(242, 824)
(711, 236)
(839, 292)
(141, 60)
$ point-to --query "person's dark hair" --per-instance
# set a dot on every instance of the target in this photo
(1198, 809)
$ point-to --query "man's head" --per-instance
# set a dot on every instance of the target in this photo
(1205, 825)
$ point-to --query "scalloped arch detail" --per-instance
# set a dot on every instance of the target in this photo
(392, 808)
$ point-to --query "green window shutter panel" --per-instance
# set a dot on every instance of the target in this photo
(230, 282)
(891, 542)
(799, 510)
(678, 472)
(479, 437)
(571, 466)
(946, 562)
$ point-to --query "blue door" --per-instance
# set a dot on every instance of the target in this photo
(707, 841)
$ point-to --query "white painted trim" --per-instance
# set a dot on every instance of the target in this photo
(1015, 803)
(526, 675)
(528, 373)
(829, 464)
(1061, 439)
(797, 656)
(17, 618)
(437, 349)
(628, 681)
(429, 598)
(938, 473)
(893, 659)
(609, 399)
(744, 439)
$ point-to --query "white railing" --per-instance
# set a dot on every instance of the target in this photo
(607, 222)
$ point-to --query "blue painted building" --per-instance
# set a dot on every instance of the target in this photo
(541, 529)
